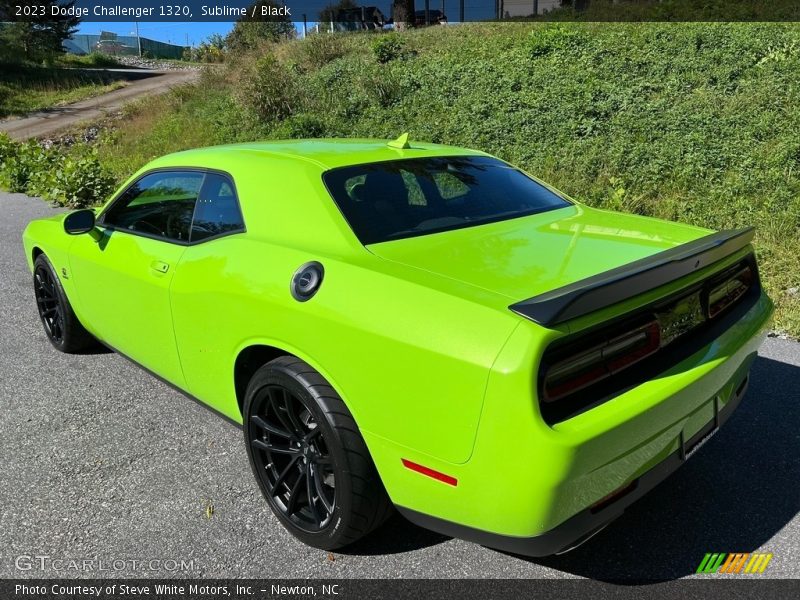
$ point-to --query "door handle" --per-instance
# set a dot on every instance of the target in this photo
(159, 266)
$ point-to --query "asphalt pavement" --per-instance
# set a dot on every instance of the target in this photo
(105, 466)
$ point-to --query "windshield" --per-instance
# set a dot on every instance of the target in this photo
(405, 198)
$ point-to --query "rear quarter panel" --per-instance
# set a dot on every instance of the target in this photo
(397, 351)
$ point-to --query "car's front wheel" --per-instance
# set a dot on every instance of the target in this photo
(61, 325)
(310, 461)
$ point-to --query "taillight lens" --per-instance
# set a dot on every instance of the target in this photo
(586, 368)
(573, 374)
(729, 291)
(598, 356)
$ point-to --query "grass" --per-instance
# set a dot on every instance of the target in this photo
(680, 10)
(142, 133)
(693, 122)
(25, 89)
(175, 62)
(93, 60)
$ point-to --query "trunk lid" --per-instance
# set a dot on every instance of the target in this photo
(523, 257)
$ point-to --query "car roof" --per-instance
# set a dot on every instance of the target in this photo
(324, 153)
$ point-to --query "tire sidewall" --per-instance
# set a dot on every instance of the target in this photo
(330, 536)
(43, 262)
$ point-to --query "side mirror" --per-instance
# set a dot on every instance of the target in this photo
(80, 221)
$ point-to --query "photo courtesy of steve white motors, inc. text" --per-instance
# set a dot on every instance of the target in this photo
(101, 9)
(171, 589)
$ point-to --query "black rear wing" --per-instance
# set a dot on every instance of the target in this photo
(602, 290)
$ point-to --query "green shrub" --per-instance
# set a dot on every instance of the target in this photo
(8, 148)
(389, 47)
(75, 179)
(20, 162)
(551, 38)
(205, 52)
(385, 88)
(299, 126)
(323, 48)
(268, 89)
(210, 54)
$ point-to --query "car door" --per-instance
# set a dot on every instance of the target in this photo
(210, 293)
(123, 276)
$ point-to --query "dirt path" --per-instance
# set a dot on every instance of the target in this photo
(49, 121)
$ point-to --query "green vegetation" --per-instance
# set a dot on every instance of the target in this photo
(690, 122)
(95, 60)
(389, 47)
(211, 50)
(74, 178)
(249, 34)
(38, 40)
(27, 88)
(677, 10)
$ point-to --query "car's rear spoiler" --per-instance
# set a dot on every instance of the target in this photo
(627, 281)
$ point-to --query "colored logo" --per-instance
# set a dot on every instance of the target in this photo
(734, 562)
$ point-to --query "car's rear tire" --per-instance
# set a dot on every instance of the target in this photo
(61, 325)
(309, 458)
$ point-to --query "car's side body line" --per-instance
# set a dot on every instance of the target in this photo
(608, 288)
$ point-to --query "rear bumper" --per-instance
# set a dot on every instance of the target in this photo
(533, 488)
(582, 526)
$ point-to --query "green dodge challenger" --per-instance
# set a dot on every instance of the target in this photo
(414, 326)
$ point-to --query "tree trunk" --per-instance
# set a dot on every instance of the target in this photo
(403, 14)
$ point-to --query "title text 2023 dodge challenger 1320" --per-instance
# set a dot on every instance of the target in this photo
(414, 326)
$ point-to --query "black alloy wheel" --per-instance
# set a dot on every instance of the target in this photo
(289, 448)
(61, 325)
(308, 457)
(49, 304)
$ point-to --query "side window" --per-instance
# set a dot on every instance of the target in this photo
(217, 210)
(160, 204)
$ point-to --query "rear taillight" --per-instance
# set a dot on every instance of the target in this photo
(730, 291)
(586, 368)
(590, 367)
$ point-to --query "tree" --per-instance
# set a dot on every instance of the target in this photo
(403, 14)
(328, 14)
(216, 40)
(211, 50)
(37, 38)
(248, 33)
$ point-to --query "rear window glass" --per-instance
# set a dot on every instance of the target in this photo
(405, 198)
